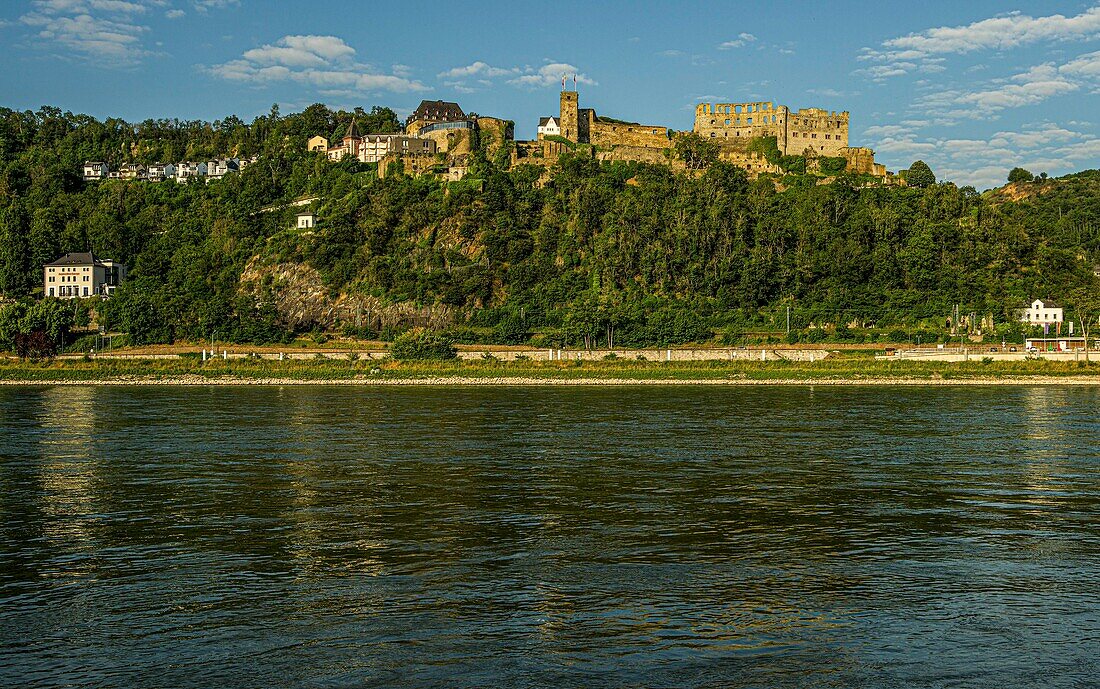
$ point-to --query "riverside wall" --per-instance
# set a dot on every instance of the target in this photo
(726, 354)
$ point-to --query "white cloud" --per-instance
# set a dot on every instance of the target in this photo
(742, 40)
(301, 51)
(832, 93)
(102, 29)
(477, 69)
(550, 74)
(985, 162)
(1000, 33)
(920, 50)
(323, 62)
(111, 33)
(205, 6)
(1031, 87)
(479, 75)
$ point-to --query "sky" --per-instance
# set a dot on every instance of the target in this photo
(972, 88)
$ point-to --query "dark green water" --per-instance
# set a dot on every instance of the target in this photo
(339, 537)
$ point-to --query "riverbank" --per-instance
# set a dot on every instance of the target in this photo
(563, 382)
(840, 371)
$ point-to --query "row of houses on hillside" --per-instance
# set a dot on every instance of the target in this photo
(438, 138)
(183, 172)
(371, 148)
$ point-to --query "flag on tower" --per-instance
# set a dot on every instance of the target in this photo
(574, 82)
(563, 82)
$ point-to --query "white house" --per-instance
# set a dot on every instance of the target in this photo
(133, 171)
(159, 171)
(306, 221)
(187, 171)
(548, 126)
(81, 275)
(1042, 313)
(220, 167)
(95, 170)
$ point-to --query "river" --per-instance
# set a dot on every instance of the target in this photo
(529, 537)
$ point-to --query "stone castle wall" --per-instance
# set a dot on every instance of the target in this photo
(583, 125)
(731, 124)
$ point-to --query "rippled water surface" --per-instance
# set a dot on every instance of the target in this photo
(632, 536)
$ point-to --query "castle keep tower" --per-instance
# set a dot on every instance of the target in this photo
(570, 116)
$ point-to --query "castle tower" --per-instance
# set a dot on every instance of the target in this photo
(570, 116)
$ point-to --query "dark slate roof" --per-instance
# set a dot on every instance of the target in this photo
(439, 110)
(544, 120)
(78, 259)
(353, 131)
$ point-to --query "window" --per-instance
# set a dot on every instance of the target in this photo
(85, 291)
(727, 121)
(51, 291)
(750, 120)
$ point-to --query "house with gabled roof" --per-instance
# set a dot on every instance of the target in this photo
(436, 111)
(95, 170)
(548, 126)
(1042, 312)
(82, 274)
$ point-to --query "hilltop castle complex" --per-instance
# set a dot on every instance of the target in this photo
(760, 137)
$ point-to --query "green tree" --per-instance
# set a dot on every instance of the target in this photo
(920, 175)
(15, 277)
(1019, 174)
(1084, 303)
(696, 152)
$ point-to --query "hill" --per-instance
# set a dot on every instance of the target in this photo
(623, 251)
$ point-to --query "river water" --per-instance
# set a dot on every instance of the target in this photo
(533, 537)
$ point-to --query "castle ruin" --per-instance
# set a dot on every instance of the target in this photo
(733, 124)
(809, 132)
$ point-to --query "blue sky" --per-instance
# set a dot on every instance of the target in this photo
(973, 88)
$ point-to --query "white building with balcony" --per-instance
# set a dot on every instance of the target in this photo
(81, 275)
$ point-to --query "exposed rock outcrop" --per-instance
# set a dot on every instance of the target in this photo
(302, 301)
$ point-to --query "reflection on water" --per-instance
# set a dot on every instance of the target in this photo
(314, 536)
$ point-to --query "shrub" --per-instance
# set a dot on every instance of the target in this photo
(422, 344)
(511, 330)
(34, 345)
(815, 336)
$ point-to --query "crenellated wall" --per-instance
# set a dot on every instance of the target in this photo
(732, 124)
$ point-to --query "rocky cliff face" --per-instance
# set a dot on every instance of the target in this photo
(302, 301)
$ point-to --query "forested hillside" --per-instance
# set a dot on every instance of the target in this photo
(629, 251)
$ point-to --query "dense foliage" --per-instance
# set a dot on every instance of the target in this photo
(420, 344)
(623, 253)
